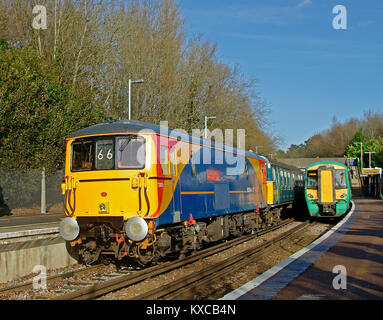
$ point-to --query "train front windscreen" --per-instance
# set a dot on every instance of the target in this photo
(108, 153)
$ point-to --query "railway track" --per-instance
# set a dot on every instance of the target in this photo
(28, 285)
(121, 282)
(104, 283)
(199, 278)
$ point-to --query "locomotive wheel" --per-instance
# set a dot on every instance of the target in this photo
(88, 257)
(276, 216)
(105, 260)
(148, 256)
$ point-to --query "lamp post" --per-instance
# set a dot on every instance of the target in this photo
(130, 95)
(256, 148)
(361, 156)
(43, 193)
(205, 130)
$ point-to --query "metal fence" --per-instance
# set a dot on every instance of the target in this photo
(30, 192)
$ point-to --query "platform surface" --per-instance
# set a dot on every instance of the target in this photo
(29, 224)
(355, 246)
(360, 251)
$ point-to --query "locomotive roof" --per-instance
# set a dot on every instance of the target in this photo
(132, 126)
(326, 162)
(286, 166)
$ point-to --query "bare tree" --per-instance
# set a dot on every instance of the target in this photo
(100, 45)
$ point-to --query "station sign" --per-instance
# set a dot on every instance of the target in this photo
(372, 171)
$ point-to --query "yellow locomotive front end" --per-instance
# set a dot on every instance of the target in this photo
(108, 197)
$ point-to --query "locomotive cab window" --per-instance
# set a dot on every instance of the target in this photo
(192, 165)
(130, 152)
(108, 153)
(173, 162)
(312, 180)
(164, 160)
(82, 156)
(340, 179)
(104, 154)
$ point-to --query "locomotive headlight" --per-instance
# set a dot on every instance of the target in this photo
(310, 196)
(102, 207)
(136, 228)
(343, 195)
(69, 229)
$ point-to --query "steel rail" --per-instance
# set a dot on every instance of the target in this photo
(29, 284)
(108, 286)
(192, 280)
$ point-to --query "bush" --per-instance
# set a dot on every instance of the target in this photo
(37, 111)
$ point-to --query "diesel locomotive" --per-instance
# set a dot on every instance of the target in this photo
(327, 189)
(138, 191)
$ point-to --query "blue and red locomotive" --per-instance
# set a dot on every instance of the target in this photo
(138, 190)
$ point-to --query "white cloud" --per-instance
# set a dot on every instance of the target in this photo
(304, 3)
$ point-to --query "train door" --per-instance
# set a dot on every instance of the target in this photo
(326, 191)
(175, 172)
(274, 184)
(277, 185)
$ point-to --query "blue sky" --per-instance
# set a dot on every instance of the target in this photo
(307, 71)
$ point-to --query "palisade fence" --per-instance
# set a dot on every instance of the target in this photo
(23, 192)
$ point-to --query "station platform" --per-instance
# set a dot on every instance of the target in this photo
(17, 226)
(346, 263)
(30, 240)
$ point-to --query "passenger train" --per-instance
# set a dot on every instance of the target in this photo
(327, 189)
(135, 191)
